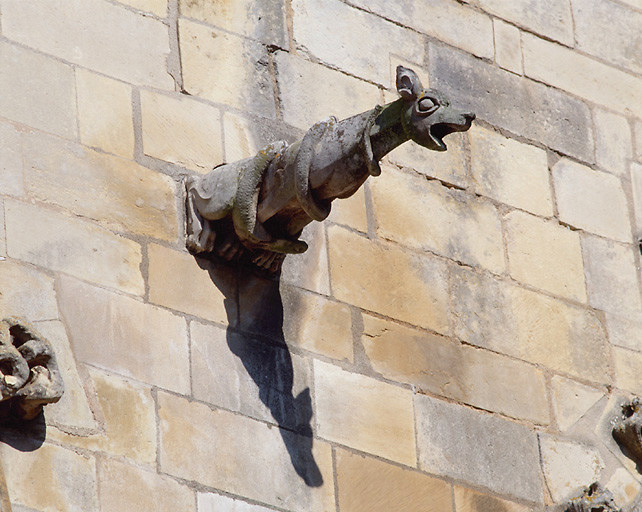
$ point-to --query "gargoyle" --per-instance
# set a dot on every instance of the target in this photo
(256, 208)
(628, 430)
(593, 499)
(29, 375)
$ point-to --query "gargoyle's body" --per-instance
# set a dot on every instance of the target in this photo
(260, 205)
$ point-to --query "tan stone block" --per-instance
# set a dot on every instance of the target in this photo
(625, 330)
(57, 242)
(383, 278)
(571, 401)
(628, 367)
(636, 182)
(120, 194)
(364, 413)
(545, 255)
(182, 131)
(47, 98)
(613, 144)
(105, 116)
(11, 180)
(50, 478)
(97, 35)
(624, 486)
(157, 7)
(428, 216)
(508, 46)
(125, 487)
(217, 503)
(510, 171)
(225, 68)
(3, 238)
(144, 342)
(239, 138)
(179, 281)
(440, 366)
(368, 484)
(600, 208)
(638, 139)
(26, 293)
(592, 80)
(467, 500)
(351, 212)
(251, 458)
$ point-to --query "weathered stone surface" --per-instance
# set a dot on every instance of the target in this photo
(467, 500)
(3, 238)
(26, 293)
(217, 503)
(351, 212)
(300, 80)
(545, 255)
(628, 367)
(383, 278)
(50, 478)
(613, 146)
(264, 21)
(120, 194)
(625, 330)
(125, 487)
(212, 69)
(571, 400)
(440, 366)
(182, 131)
(179, 281)
(486, 451)
(508, 46)
(638, 139)
(157, 7)
(327, 28)
(611, 275)
(443, 20)
(47, 98)
(10, 160)
(510, 172)
(529, 326)
(310, 269)
(125, 335)
(551, 18)
(468, 229)
(97, 35)
(568, 70)
(54, 241)
(368, 484)
(601, 208)
(105, 113)
(636, 181)
(251, 459)
(568, 466)
(514, 103)
(623, 486)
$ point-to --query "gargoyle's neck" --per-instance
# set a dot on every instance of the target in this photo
(387, 132)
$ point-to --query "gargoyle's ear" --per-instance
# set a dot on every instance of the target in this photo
(408, 83)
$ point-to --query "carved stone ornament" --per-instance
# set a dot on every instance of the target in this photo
(29, 375)
(627, 430)
(255, 209)
(593, 499)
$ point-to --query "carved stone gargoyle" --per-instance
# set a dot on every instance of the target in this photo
(256, 208)
(627, 430)
(593, 499)
(29, 375)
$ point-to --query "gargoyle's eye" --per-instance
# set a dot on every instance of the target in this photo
(426, 105)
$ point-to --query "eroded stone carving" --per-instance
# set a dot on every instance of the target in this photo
(256, 208)
(627, 430)
(29, 375)
(593, 499)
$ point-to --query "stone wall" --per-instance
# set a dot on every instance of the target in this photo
(458, 336)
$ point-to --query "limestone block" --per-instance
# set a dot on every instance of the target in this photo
(567, 466)
(628, 366)
(217, 503)
(351, 212)
(587, 78)
(611, 275)
(364, 413)
(120, 194)
(3, 238)
(439, 366)
(467, 500)
(510, 171)
(50, 478)
(105, 116)
(47, 98)
(11, 180)
(638, 139)
(571, 401)
(508, 46)
(181, 130)
(224, 68)
(427, 216)
(545, 255)
(57, 242)
(478, 448)
(157, 7)
(524, 324)
(310, 269)
(625, 330)
(178, 281)
(125, 487)
(26, 292)
(601, 208)
(636, 179)
(304, 88)
(264, 21)
(352, 40)
(613, 146)
(125, 335)
(251, 457)
(521, 106)
(383, 278)
(623, 486)
(366, 483)
(114, 41)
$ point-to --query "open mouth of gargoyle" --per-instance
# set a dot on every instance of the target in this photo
(440, 130)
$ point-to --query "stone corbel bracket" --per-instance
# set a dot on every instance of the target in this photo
(29, 374)
(627, 430)
(593, 499)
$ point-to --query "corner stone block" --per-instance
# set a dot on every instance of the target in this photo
(477, 448)
(625, 330)
(467, 500)
(3, 238)
(157, 7)
(571, 401)
(636, 180)
(209, 502)
(26, 293)
(11, 180)
(613, 148)
(508, 46)
(309, 270)
(351, 211)
(628, 367)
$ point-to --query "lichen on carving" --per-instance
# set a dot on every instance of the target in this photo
(593, 499)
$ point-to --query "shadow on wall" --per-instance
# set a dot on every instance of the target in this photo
(24, 436)
(255, 335)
